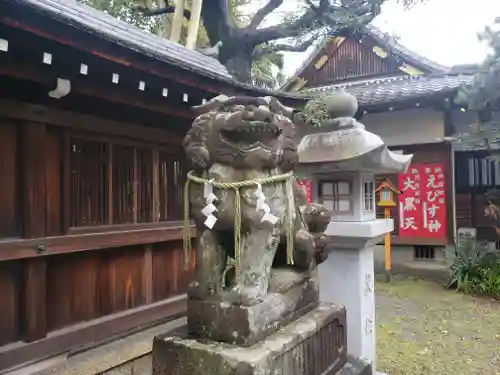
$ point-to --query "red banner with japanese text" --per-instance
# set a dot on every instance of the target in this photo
(306, 185)
(422, 207)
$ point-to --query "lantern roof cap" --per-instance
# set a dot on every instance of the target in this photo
(386, 184)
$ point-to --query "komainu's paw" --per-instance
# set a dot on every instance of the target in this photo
(246, 296)
(196, 290)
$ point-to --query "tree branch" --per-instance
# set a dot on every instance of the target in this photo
(338, 17)
(271, 48)
(292, 29)
(263, 12)
(144, 7)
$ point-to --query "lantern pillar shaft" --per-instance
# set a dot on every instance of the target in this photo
(347, 278)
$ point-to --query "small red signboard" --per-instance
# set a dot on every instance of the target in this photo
(422, 207)
(306, 185)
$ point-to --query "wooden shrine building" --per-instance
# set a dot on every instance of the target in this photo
(408, 101)
(92, 115)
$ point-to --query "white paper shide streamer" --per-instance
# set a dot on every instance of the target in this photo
(210, 208)
(263, 206)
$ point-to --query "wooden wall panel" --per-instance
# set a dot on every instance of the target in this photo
(72, 284)
(351, 60)
(35, 298)
(464, 210)
(121, 279)
(169, 276)
(9, 188)
(9, 305)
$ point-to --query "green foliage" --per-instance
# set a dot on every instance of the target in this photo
(266, 70)
(315, 113)
(483, 97)
(123, 10)
(475, 270)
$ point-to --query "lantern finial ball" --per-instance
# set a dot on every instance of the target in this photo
(341, 104)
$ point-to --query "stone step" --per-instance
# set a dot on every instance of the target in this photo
(130, 355)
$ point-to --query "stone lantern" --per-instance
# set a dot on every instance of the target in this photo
(342, 162)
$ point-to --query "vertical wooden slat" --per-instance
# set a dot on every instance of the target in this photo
(35, 298)
(34, 179)
(135, 185)
(148, 274)
(350, 59)
(110, 184)
(156, 186)
(53, 179)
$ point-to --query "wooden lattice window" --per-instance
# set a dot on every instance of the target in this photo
(89, 183)
(172, 177)
(123, 167)
(145, 185)
(122, 184)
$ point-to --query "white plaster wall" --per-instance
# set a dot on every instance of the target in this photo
(409, 127)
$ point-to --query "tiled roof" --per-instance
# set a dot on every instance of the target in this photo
(396, 89)
(116, 31)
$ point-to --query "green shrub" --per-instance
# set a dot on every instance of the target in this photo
(475, 270)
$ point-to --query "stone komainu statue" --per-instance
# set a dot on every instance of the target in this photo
(250, 214)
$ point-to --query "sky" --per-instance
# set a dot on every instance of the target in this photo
(442, 30)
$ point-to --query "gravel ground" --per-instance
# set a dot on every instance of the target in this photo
(424, 329)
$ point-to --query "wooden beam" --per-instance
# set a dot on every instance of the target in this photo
(194, 24)
(35, 299)
(99, 329)
(27, 248)
(11, 68)
(38, 113)
(124, 57)
(177, 22)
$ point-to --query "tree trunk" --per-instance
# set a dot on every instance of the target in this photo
(239, 65)
(236, 54)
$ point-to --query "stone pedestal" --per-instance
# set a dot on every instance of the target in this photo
(290, 296)
(347, 278)
(314, 344)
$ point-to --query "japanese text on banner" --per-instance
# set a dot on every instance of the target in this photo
(422, 210)
(434, 206)
(410, 204)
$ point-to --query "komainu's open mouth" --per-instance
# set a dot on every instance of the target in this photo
(251, 132)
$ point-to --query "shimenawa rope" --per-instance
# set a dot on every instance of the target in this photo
(287, 178)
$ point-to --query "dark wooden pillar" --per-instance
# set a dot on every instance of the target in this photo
(34, 180)
(34, 198)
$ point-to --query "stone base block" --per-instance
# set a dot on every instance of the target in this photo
(246, 325)
(314, 344)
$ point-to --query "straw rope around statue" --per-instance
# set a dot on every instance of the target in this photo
(287, 179)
